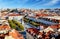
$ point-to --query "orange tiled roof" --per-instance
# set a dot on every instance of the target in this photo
(16, 35)
(54, 27)
(33, 30)
(40, 14)
(14, 14)
(5, 27)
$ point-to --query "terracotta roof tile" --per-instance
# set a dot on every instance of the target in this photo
(33, 30)
(5, 27)
(14, 14)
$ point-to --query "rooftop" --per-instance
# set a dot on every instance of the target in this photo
(42, 21)
(52, 17)
(6, 32)
(14, 14)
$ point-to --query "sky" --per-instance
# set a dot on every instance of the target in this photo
(33, 4)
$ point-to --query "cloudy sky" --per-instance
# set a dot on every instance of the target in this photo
(33, 4)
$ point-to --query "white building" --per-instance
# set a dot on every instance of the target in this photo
(15, 16)
(2, 21)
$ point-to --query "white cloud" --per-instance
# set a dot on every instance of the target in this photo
(52, 2)
(37, 3)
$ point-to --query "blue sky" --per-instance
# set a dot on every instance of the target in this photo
(33, 4)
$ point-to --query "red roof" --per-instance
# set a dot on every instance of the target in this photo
(33, 29)
(16, 34)
(54, 27)
(5, 27)
(41, 14)
(13, 14)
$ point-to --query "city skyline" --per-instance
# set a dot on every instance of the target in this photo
(33, 4)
